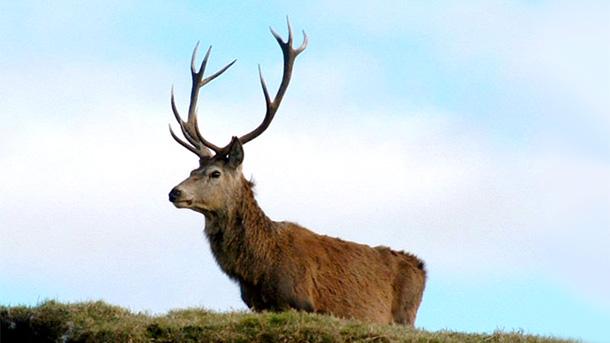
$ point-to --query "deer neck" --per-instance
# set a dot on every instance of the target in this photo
(242, 237)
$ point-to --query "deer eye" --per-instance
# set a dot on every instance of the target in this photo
(215, 174)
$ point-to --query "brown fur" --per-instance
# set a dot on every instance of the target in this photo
(281, 265)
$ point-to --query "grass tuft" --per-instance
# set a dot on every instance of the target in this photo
(52, 321)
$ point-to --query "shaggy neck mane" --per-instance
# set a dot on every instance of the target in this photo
(241, 236)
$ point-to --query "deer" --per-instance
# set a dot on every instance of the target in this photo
(280, 265)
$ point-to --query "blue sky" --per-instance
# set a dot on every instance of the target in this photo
(473, 134)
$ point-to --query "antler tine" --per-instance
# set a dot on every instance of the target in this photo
(303, 45)
(182, 124)
(194, 58)
(198, 79)
(218, 73)
(290, 55)
(289, 31)
(198, 82)
(198, 144)
(190, 148)
(197, 76)
(264, 86)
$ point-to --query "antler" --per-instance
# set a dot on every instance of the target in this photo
(199, 145)
(190, 130)
(290, 54)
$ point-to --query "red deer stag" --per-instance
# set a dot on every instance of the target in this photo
(281, 265)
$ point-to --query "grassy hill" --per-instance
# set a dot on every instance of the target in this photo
(101, 322)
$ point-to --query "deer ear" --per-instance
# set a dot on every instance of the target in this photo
(236, 153)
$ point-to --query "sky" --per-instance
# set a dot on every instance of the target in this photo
(473, 134)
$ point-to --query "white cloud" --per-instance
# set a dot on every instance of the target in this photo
(558, 49)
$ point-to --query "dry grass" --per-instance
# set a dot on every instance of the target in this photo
(99, 322)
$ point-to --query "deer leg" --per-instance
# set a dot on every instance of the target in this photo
(408, 290)
(291, 294)
(252, 297)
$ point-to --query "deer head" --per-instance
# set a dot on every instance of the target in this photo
(218, 179)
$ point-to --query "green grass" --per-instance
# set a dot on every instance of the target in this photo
(100, 322)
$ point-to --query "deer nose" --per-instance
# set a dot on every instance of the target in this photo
(174, 194)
